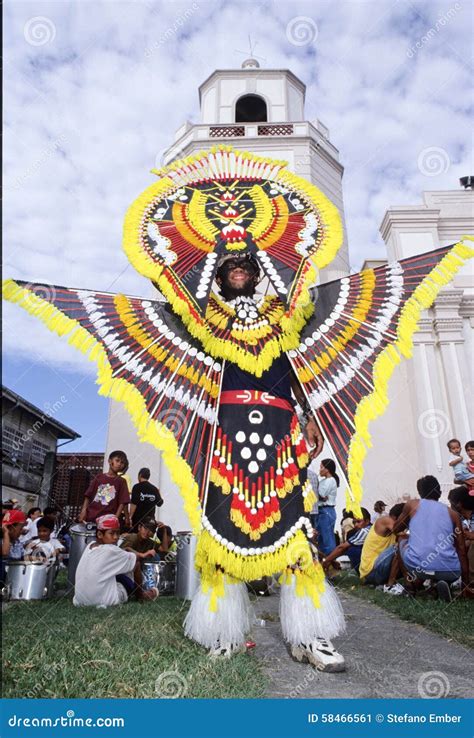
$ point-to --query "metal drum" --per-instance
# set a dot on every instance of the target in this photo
(159, 574)
(27, 580)
(187, 578)
(81, 535)
(53, 568)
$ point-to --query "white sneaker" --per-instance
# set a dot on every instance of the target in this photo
(227, 650)
(394, 589)
(321, 654)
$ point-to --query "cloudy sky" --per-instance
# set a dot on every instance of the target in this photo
(94, 91)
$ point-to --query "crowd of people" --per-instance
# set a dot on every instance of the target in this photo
(420, 544)
(127, 534)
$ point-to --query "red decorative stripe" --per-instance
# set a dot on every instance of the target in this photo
(253, 397)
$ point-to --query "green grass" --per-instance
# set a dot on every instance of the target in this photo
(52, 649)
(454, 620)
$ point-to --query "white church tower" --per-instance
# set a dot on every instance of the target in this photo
(257, 110)
(262, 111)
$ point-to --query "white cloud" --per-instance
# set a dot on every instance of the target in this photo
(88, 113)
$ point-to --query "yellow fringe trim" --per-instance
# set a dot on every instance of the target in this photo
(210, 553)
(264, 212)
(375, 403)
(268, 238)
(329, 215)
(254, 533)
(198, 218)
(215, 582)
(118, 389)
(301, 305)
(340, 341)
(309, 582)
(216, 478)
(309, 501)
(127, 315)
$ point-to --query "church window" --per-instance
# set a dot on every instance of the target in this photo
(250, 109)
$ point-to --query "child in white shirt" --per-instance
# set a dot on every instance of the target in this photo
(103, 573)
(43, 546)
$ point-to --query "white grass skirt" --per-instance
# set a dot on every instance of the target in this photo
(302, 622)
(229, 624)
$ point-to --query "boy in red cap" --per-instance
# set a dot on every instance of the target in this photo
(104, 573)
(13, 523)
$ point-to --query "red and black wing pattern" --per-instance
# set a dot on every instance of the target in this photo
(146, 359)
(362, 326)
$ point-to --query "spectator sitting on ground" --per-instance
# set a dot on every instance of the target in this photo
(145, 498)
(379, 509)
(352, 547)
(31, 530)
(378, 562)
(164, 535)
(5, 507)
(107, 494)
(53, 514)
(13, 524)
(347, 524)
(463, 503)
(103, 573)
(462, 473)
(44, 546)
(142, 542)
(435, 548)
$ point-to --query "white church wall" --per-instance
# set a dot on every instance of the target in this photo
(392, 464)
(295, 103)
(441, 369)
(122, 435)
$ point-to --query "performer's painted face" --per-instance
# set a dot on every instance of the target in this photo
(237, 277)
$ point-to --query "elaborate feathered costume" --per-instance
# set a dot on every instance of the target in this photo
(243, 477)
